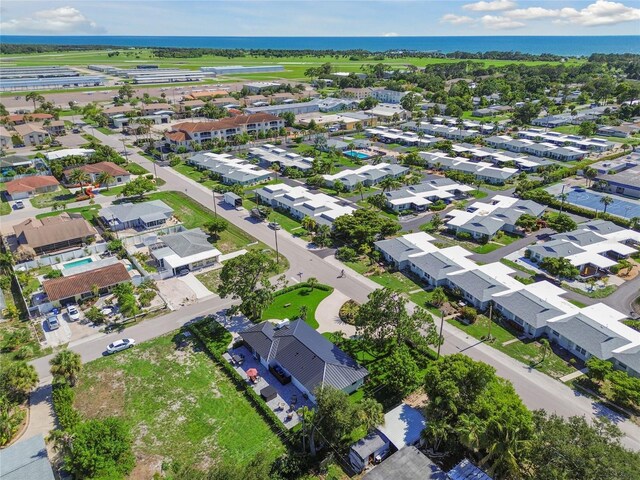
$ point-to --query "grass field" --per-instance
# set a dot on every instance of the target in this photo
(575, 130)
(294, 67)
(194, 215)
(180, 405)
(88, 213)
(5, 207)
(46, 200)
(288, 305)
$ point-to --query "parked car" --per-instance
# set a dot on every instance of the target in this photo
(120, 345)
(184, 272)
(76, 130)
(52, 322)
(274, 226)
(107, 311)
(19, 205)
(73, 312)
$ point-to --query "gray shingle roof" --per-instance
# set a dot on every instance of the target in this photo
(528, 307)
(602, 227)
(188, 242)
(593, 337)
(630, 357)
(477, 284)
(484, 225)
(580, 237)
(26, 460)
(306, 355)
(406, 464)
(556, 249)
(128, 212)
(368, 445)
(397, 249)
(436, 265)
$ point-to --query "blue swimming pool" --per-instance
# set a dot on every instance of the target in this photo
(358, 155)
(77, 263)
(619, 207)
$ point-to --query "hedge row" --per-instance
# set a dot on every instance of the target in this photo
(63, 397)
(291, 288)
(199, 330)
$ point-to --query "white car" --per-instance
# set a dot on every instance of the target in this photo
(107, 311)
(120, 345)
(73, 312)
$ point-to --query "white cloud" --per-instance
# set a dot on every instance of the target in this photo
(493, 6)
(457, 19)
(57, 21)
(390, 34)
(602, 12)
(500, 23)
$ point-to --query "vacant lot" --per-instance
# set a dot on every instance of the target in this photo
(181, 407)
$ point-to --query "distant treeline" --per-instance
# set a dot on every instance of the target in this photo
(17, 48)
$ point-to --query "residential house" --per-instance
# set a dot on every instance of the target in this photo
(406, 464)
(55, 127)
(300, 202)
(434, 267)
(182, 134)
(269, 155)
(94, 170)
(32, 134)
(625, 130)
(71, 289)
(11, 162)
(156, 108)
(368, 175)
(388, 112)
(188, 250)
(5, 138)
(384, 95)
(25, 460)
(27, 187)
(478, 286)
(483, 171)
(139, 216)
(190, 106)
(419, 197)
(356, 93)
(484, 220)
(231, 170)
(69, 152)
(369, 450)
(311, 360)
(399, 250)
(52, 234)
(622, 183)
(561, 139)
(331, 104)
(22, 118)
(118, 110)
(593, 247)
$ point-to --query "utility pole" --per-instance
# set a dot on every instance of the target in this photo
(215, 207)
(126, 154)
(275, 232)
(440, 340)
(490, 321)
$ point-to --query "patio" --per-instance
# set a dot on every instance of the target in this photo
(288, 398)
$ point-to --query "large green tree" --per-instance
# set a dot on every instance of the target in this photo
(138, 187)
(247, 277)
(363, 227)
(18, 379)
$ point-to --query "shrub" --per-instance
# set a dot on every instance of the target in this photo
(62, 398)
(346, 254)
(349, 311)
(175, 162)
(469, 313)
(463, 236)
(55, 273)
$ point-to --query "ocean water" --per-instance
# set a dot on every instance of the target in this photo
(569, 46)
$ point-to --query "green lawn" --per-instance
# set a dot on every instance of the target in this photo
(528, 352)
(291, 225)
(135, 169)
(504, 238)
(106, 131)
(478, 194)
(393, 280)
(486, 248)
(517, 266)
(112, 191)
(5, 207)
(89, 213)
(575, 130)
(288, 305)
(180, 405)
(194, 174)
(194, 215)
(597, 292)
(46, 200)
(210, 279)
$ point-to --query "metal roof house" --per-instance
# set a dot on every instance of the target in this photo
(310, 359)
(368, 450)
(407, 464)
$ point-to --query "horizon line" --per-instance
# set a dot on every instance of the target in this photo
(304, 36)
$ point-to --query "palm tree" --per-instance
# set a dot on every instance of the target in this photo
(79, 177)
(312, 283)
(589, 174)
(606, 201)
(370, 414)
(276, 168)
(390, 183)
(634, 223)
(105, 178)
(469, 431)
(359, 188)
(502, 445)
(309, 224)
(563, 198)
(20, 378)
(66, 365)
(544, 343)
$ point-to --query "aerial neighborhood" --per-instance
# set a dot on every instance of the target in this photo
(222, 263)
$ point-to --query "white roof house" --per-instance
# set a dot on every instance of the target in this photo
(68, 152)
(232, 170)
(271, 154)
(188, 248)
(367, 174)
(403, 426)
(301, 203)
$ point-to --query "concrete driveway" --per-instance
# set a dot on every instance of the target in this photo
(59, 336)
(181, 291)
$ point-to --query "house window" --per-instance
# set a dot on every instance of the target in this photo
(581, 350)
(554, 333)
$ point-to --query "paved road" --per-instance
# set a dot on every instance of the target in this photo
(537, 390)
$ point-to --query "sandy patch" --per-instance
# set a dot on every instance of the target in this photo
(146, 466)
(105, 397)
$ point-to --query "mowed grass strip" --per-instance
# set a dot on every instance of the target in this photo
(180, 406)
(288, 305)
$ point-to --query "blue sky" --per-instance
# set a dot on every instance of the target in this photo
(320, 17)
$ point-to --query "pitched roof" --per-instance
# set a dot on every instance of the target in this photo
(594, 337)
(528, 307)
(49, 230)
(127, 212)
(305, 354)
(65, 287)
(26, 460)
(477, 284)
(29, 184)
(97, 168)
(223, 124)
(188, 242)
(28, 128)
(406, 464)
